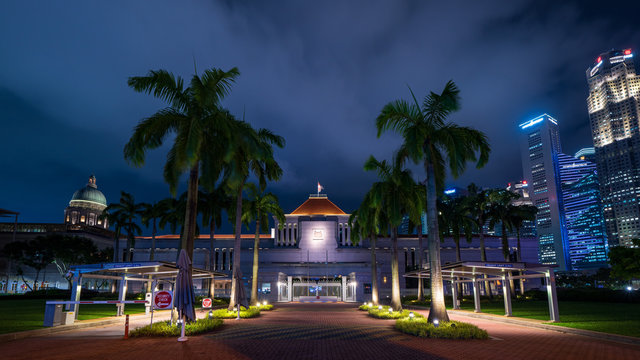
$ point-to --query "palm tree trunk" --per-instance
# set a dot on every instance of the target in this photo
(396, 303)
(236, 246)
(212, 254)
(374, 271)
(191, 212)
(254, 278)
(420, 284)
(437, 309)
(153, 241)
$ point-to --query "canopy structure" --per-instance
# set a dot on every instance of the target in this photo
(476, 272)
(151, 272)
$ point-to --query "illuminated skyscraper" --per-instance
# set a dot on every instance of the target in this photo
(614, 112)
(540, 149)
(584, 223)
(522, 188)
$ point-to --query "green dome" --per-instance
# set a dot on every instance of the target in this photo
(90, 193)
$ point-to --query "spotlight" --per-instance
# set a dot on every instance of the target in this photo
(390, 310)
(379, 307)
(436, 322)
(411, 315)
(264, 303)
(629, 288)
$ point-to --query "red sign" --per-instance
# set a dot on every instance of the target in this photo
(162, 299)
(206, 303)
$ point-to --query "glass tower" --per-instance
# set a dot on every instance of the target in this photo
(614, 113)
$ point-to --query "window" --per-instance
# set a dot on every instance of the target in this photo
(82, 218)
(367, 288)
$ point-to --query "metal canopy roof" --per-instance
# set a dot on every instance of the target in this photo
(155, 269)
(471, 269)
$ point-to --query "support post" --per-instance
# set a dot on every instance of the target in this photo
(344, 288)
(289, 288)
(76, 289)
(506, 293)
(554, 314)
(122, 292)
(454, 292)
(476, 295)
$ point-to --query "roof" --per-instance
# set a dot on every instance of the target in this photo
(89, 193)
(5, 212)
(140, 270)
(318, 205)
(470, 269)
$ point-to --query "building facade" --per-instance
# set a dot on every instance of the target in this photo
(540, 148)
(614, 113)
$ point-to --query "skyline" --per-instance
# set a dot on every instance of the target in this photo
(321, 90)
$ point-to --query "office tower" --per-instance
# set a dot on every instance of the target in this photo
(584, 223)
(540, 149)
(614, 112)
(587, 153)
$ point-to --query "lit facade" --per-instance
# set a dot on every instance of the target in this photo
(522, 189)
(614, 112)
(584, 222)
(540, 149)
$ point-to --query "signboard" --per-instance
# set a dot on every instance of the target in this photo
(206, 303)
(318, 234)
(162, 299)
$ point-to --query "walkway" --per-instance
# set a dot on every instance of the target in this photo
(318, 331)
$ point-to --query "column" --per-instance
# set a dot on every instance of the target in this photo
(122, 293)
(290, 288)
(476, 295)
(506, 293)
(344, 288)
(348, 233)
(454, 292)
(550, 278)
(76, 289)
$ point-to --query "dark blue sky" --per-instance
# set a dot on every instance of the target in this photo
(315, 72)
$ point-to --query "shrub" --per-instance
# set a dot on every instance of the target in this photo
(423, 303)
(446, 330)
(267, 307)
(244, 313)
(164, 328)
(364, 307)
(385, 314)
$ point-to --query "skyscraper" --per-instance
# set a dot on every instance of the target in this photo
(584, 223)
(540, 149)
(522, 188)
(614, 112)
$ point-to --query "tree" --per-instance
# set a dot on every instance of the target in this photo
(479, 205)
(126, 212)
(210, 205)
(455, 221)
(257, 209)
(117, 220)
(394, 194)
(35, 254)
(625, 261)
(431, 140)
(74, 250)
(520, 214)
(250, 152)
(365, 222)
(500, 213)
(201, 129)
(152, 212)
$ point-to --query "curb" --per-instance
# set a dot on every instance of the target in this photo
(57, 329)
(533, 323)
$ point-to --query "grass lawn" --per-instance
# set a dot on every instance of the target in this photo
(614, 318)
(28, 314)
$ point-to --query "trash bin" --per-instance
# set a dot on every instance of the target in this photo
(52, 315)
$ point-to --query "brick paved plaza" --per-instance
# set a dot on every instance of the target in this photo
(319, 331)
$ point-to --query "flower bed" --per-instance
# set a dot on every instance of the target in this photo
(385, 314)
(245, 313)
(164, 328)
(445, 330)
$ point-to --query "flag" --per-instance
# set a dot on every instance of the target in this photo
(320, 187)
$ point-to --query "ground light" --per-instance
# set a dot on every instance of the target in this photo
(210, 314)
(264, 303)
(411, 315)
(370, 304)
(390, 310)
(629, 288)
(379, 307)
(436, 322)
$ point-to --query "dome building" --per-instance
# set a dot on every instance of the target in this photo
(86, 205)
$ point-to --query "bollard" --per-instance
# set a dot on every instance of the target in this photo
(126, 327)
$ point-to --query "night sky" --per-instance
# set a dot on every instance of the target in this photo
(315, 72)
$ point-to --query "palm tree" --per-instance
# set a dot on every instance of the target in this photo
(479, 205)
(500, 213)
(201, 130)
(415, 221)
(455, 221)
(126, 211)
(520, 214)
(173, 214)
(258, 208)
(394, 193)
(118, 221)
(152, 212)
(210, 205)
(365, 222)
(250, 153)
(430, 140)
